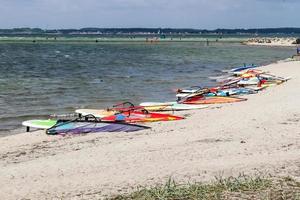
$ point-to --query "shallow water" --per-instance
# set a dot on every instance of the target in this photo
(40, 79)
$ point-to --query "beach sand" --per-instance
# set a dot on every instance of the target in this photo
(261, 135)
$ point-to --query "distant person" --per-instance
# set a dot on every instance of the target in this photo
(298, 50)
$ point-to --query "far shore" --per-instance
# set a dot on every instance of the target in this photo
(206, 39)
(259, 135)
(103, 39)
(273, 41)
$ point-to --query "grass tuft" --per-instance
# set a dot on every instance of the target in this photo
(219, 189)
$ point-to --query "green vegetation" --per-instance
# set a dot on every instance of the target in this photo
(167, 31)
(242, 187)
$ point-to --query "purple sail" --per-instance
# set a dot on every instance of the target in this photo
(92, 127)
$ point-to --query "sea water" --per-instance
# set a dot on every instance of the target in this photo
(41, 79)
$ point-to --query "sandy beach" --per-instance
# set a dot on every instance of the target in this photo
(261, 135)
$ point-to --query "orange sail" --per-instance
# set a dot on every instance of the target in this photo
(212, 100)
(139, 116)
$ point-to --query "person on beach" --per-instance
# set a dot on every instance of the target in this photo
(298, 50)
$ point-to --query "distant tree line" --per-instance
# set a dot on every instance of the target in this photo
(150, 31)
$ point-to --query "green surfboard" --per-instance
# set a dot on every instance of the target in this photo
(41, 124)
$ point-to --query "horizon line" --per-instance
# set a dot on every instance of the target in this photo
(150, 28)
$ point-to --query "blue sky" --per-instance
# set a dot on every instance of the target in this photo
(202, 14)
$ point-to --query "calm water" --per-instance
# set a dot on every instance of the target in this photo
(37, 80)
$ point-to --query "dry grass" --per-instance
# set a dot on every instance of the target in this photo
(242, 187)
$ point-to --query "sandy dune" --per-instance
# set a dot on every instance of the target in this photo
(259, 135)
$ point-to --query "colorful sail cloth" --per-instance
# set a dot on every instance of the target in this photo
(212, 100)
(79, 127)
(138, 116)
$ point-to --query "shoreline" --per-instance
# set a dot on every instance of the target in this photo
(101, 40)
(269, 45)
(273, 42)
(12, 120)
(261, 134)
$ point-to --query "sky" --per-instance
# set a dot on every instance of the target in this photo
(199, 14)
